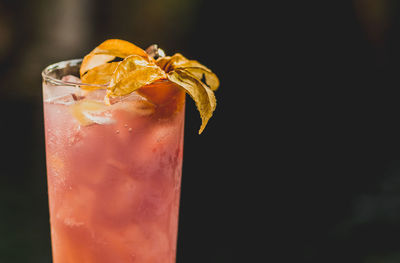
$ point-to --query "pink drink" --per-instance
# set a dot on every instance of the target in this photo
(113, 172)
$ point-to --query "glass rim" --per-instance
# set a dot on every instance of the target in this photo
(62, 64)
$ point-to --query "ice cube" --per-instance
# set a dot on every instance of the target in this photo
(130, 97)
(135, 104)
(61, 94)
(71, 78)
(163, 132)
(64, 100)
(97, 95)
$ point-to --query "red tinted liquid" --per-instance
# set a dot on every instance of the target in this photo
(114, 188)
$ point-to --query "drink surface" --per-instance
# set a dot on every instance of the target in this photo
(114, 176)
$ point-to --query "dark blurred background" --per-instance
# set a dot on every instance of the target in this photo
(301, 160)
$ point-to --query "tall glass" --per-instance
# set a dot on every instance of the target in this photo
(113, 171)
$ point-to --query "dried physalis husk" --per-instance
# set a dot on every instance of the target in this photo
(198, 70)
(119, 48)
(202, 95)
(131, 74)
(210, 79)
(100, 75)
(138, 71)
(108, 51)
(91, 61)
(170, 63)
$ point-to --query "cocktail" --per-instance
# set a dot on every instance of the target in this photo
(114, 125)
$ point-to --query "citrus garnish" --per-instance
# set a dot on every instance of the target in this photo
(82, 111)
(139, 71)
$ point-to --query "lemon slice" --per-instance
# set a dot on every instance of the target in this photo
(85, 112)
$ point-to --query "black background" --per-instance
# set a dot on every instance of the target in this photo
(301, 158)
